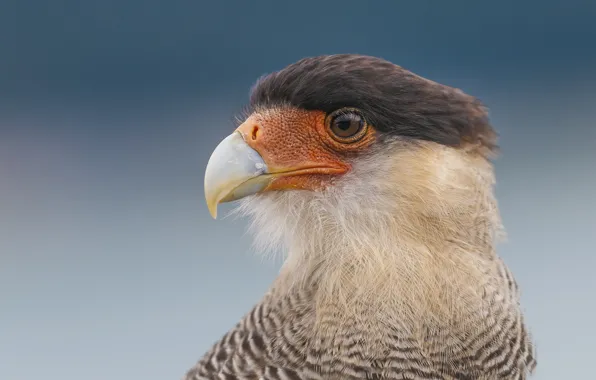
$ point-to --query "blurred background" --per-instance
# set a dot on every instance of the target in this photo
(110, 265)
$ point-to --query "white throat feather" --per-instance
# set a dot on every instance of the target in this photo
(405, 238)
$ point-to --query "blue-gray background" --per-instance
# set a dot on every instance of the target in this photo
(110, 266)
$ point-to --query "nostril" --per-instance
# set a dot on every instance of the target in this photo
(255, 132)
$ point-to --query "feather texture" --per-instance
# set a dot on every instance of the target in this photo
(391, 273)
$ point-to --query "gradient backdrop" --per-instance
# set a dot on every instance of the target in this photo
(110, 265)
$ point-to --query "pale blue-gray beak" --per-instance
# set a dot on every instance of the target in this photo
(234, 171)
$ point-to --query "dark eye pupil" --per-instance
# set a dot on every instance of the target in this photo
(347, 125)
(344, 125)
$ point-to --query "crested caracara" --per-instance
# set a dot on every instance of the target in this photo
(378, 186)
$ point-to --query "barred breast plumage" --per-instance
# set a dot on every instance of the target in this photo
(274, 342)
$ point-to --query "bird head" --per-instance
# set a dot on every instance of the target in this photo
(323, 121)
(374, 175)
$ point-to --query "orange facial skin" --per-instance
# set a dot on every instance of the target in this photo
(298, 147)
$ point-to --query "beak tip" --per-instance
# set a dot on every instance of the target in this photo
(212, 207)
(213, 212)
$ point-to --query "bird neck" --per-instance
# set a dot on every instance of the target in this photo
(405, 238)
(392, 275)
(394, 260)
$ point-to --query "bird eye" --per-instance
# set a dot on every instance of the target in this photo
(347, 125)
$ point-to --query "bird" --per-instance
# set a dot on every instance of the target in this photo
(377, 184)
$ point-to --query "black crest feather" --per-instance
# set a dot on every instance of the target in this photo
(394, 100)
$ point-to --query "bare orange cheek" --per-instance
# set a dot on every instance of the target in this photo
(289, 139)
(294, 139)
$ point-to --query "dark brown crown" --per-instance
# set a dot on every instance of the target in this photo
(394, 100)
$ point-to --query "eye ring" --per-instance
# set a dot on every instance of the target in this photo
(346, 125)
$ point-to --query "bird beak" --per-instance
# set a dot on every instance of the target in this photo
(234, 171)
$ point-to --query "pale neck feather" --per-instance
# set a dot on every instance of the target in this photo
(406, 238)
